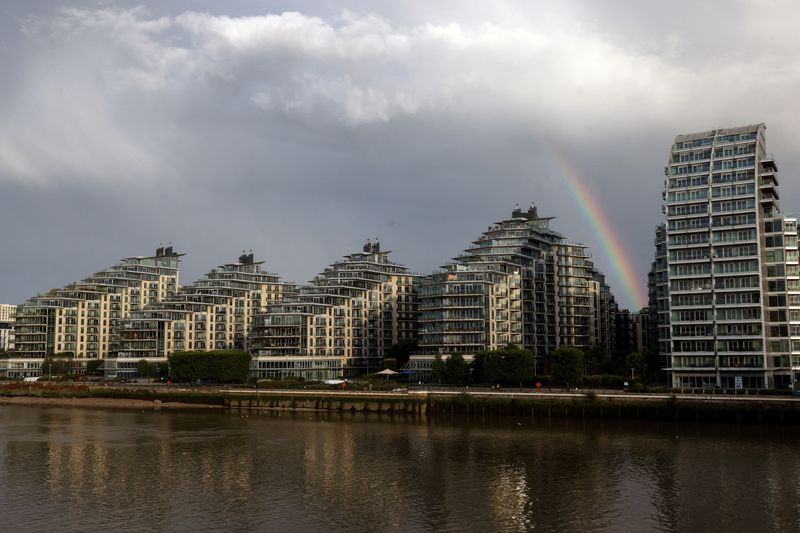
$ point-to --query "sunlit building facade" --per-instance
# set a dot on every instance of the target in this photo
(8, 317)
(342, 324)
(214, 313)
(732, 265)
(81, 321)
(519, 283)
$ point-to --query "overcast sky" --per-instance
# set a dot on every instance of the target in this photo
(300, 129)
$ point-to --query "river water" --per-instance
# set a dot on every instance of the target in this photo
(78, 469)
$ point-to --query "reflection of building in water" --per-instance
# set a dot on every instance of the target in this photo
(510, 497)
(98, 459)
(343, 483)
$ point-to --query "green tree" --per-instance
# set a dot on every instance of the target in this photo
(495, 368)
(455, 369)
(519, 364)
(93, 367)
(220, 366)
(163, 370)
(636, 362)
(566, 366)
(598, 361)
(56, 365)
(438, 368)
(145, 369)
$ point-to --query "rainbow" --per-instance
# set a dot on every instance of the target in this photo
(623, 268)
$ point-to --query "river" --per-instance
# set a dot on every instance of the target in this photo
(80, 469)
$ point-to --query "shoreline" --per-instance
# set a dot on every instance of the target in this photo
(102, 403)
(783, 411)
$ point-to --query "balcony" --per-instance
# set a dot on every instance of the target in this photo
(768, 162)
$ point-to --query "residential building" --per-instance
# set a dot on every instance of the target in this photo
(342, 324)
(658, 304)
(640, 331)
(8, 316)
(81, 320)
(214, 313)
(604, 316)
(519, 283)
(471, 307)
(732, 265)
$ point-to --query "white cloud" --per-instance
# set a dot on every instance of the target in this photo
(436, 109)
(362, 67)
(120, 74)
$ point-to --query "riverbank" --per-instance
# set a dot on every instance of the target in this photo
(528, 405)
(472, 404)
(102, 403)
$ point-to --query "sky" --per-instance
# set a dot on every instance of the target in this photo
(301, 129)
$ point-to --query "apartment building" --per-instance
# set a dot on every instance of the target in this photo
(214, 313)
(8, 317)
(519, 283)
(81, 321)
(342, 324)
(731, 265)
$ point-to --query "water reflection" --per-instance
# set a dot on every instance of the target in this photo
(80, 469)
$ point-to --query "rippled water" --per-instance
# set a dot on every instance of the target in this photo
(64, 469)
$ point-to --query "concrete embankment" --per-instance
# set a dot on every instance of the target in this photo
(434, 404)
(679, 408)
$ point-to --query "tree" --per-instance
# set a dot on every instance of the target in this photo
(495, 368)
(455, 369)
(220, 366)
(636, 361)
(566, 366)
(598, 361)
(438, 368)
(163, 369)
(145, 369)
(57, 364)
(518, 363)
(93, 367)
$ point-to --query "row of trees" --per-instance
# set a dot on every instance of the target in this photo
(218, 366)
(515, 366)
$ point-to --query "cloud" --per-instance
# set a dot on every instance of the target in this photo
(354, 70)
(422, 124)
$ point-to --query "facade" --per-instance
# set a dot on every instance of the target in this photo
(731, 265)
(605, 315)
(8, 317)
(519, 283)
(658, 303)
(640, 331)
(420, 367)
(81, 320)
(471, 307)
(214, 313)
(342, 324)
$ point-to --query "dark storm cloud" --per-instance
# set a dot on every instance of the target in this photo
(223, 127)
